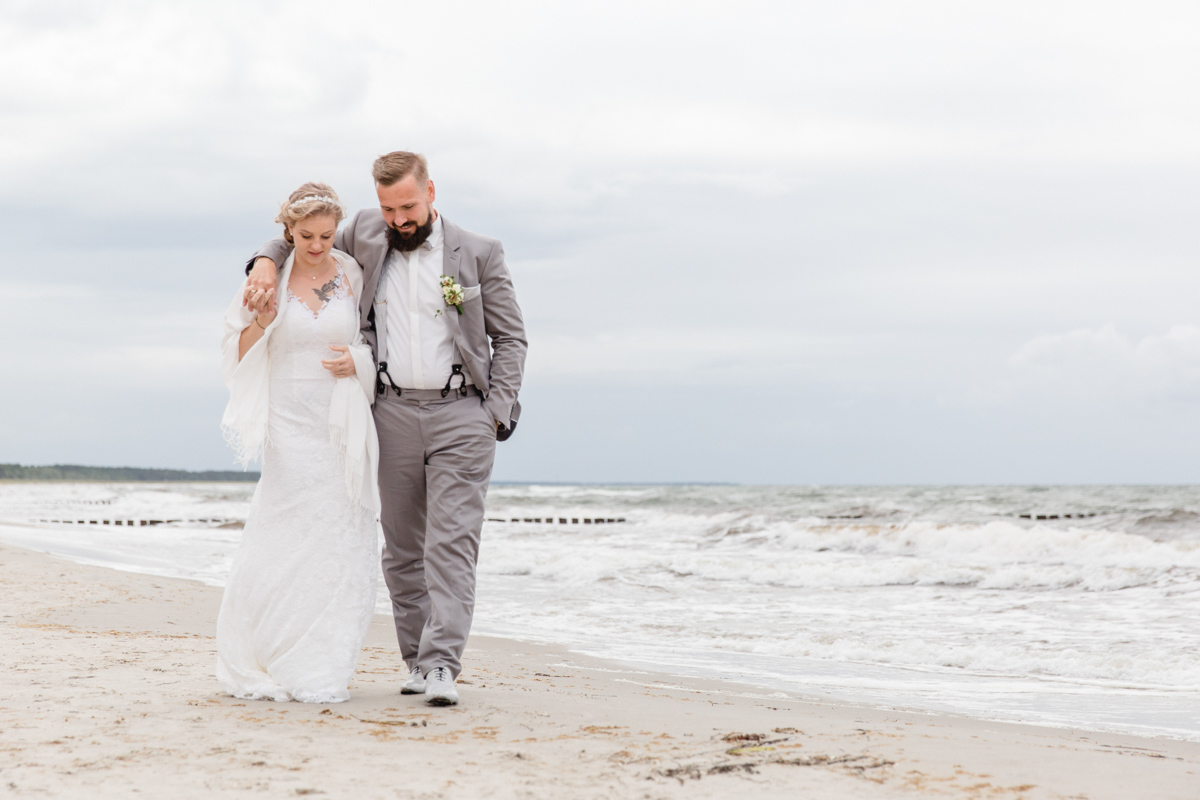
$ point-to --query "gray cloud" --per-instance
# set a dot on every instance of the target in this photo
(782, 242)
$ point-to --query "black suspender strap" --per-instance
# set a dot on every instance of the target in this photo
(380, 388)
(462, 386)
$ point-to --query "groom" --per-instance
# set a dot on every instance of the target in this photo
(443, 399)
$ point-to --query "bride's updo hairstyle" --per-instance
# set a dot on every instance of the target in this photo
(308, 201)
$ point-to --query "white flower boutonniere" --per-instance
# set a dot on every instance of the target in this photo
(452, 292)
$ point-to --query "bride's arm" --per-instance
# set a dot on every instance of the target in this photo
(343, 365)
(255, 331)
(360, 351)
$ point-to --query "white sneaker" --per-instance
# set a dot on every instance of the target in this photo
(416, 682)
(439, 688)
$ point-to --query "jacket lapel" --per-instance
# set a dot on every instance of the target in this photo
(450, 266)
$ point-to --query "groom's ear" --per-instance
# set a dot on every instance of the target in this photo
(431, 192)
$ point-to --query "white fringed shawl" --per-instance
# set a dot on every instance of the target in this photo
(351, 424)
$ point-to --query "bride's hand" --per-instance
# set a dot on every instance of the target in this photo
(343, 365)
(267, 316)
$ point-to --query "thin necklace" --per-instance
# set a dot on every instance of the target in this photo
(321, 271)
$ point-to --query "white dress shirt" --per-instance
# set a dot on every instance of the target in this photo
(420, 347)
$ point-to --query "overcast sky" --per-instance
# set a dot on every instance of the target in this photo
(801, 242)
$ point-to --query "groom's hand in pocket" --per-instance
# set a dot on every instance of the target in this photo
(343, 365)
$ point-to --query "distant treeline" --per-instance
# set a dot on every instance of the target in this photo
(74, 472)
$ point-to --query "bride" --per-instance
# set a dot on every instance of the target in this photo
(302, 589)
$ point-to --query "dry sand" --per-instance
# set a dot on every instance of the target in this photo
(108, 691)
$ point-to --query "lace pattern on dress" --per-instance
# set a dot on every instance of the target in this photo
(340, 292)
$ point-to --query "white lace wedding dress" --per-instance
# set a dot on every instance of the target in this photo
(302, 589)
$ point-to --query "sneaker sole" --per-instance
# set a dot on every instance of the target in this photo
(407, 690)
(441, 701)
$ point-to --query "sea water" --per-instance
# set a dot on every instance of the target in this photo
(1069, 606)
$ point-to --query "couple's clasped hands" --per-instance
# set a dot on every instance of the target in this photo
(259, 294)
(260, 297)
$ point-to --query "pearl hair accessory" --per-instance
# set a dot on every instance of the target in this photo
(320, 198)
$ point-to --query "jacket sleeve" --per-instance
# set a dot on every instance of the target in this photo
(278, 249)
(344, 239)
(506, 329)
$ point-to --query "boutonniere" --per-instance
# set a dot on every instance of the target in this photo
(452, 292)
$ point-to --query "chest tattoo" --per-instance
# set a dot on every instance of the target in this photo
(326, 291)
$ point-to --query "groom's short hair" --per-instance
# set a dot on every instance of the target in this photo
(393, 167)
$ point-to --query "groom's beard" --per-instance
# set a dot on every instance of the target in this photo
(406, 242)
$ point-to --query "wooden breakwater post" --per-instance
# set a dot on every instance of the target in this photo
(132, 523)
(562, 520)
(1056, 516)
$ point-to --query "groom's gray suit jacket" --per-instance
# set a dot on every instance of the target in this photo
(493, 313)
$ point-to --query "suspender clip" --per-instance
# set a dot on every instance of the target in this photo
(380, 388)
(462, 386)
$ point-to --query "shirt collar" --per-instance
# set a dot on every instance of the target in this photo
(435, 236)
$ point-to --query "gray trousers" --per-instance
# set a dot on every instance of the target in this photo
(435, 461)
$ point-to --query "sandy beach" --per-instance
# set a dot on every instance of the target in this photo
(108, 691)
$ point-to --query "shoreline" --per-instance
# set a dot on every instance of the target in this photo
(110, 691)
(1130, 708)
(784, 687)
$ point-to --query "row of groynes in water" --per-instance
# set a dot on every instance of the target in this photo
(542, 520)
(1056, 516)
(561, 520)
(131, 523)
